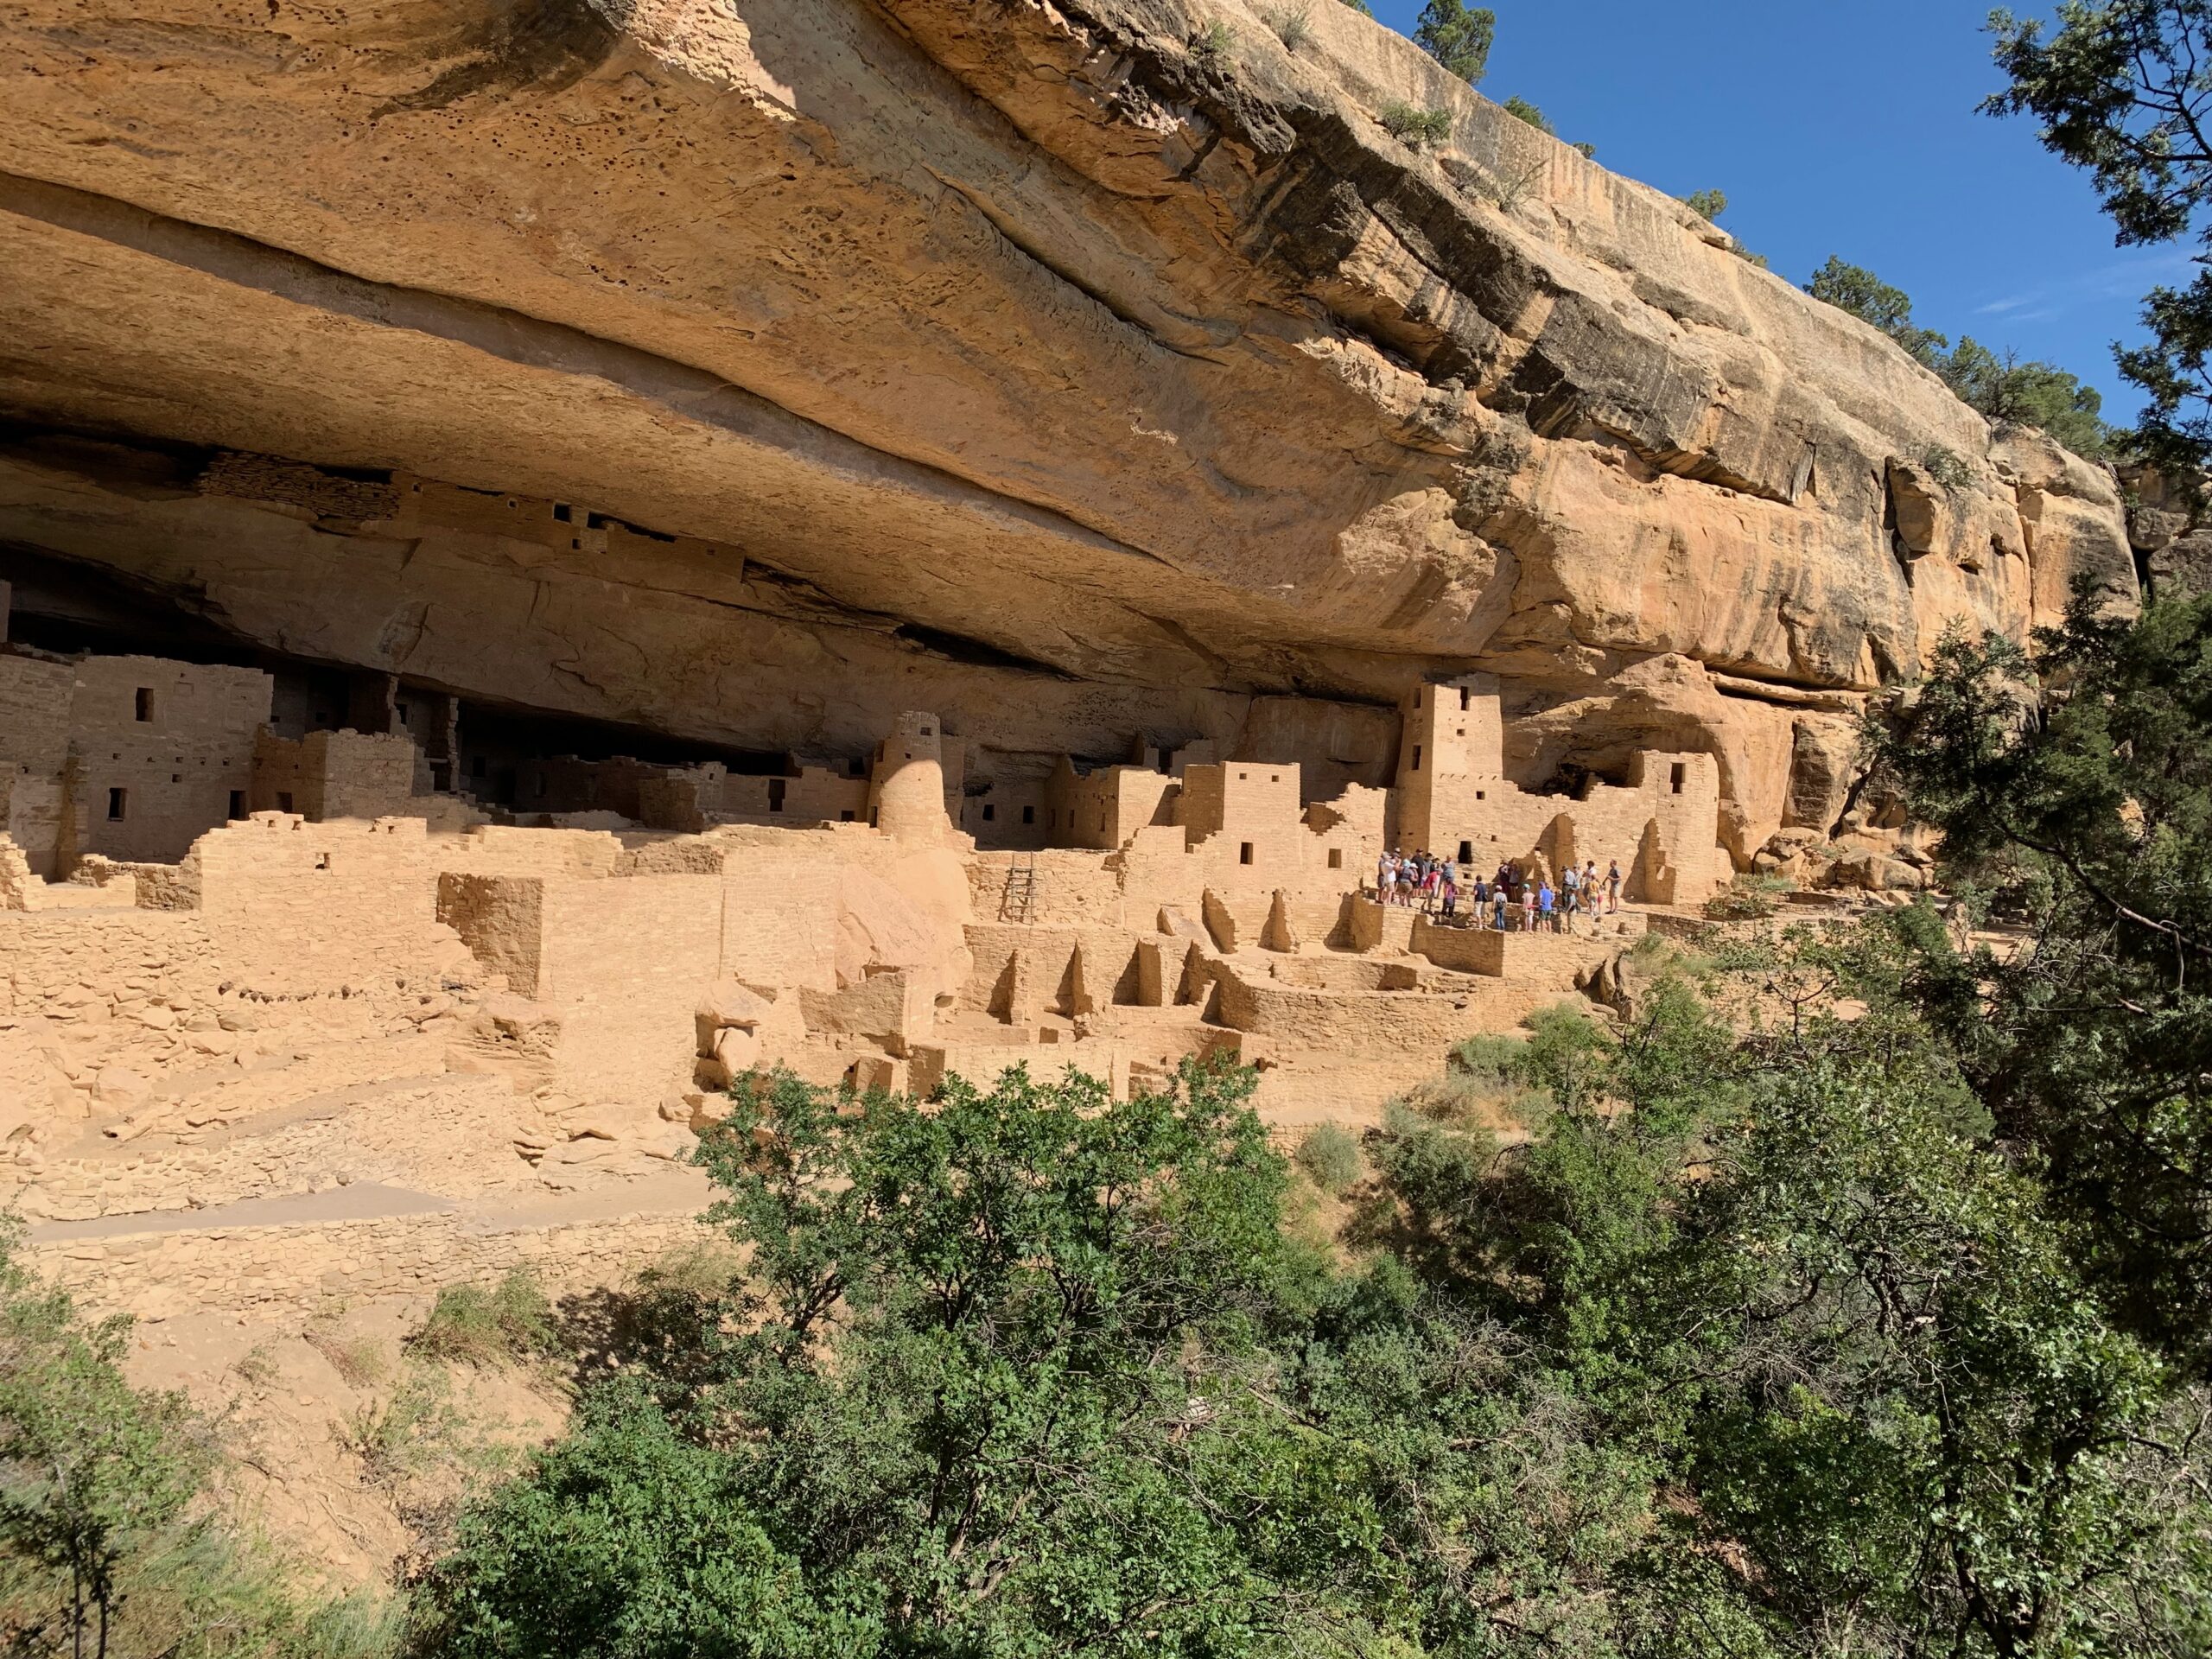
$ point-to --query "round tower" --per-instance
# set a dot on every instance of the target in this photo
(906, 795)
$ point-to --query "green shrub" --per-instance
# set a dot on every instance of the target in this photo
(112, 1539)
(1415, 127)
(1749, 898)
(1215, 43)
(1945, 468)
(1294, 25)
(1330, 1157)
(1487, 1058)
(497, 1326)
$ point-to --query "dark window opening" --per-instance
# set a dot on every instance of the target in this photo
(845, 817)
(561, 511)
(776, 786)
(990, 813)
(404, 714)
(875, 817)
(177, 777)
(1029, 815)
(1482, 794)
(476, 766)
(1465, 695)
(116, 800)
(1244, 852)
(144, 701)
(925, 733)
(1416, 757)
(238, 803)
(284, 800)
(1679, 773)
(1336, 858)
(1466, 852)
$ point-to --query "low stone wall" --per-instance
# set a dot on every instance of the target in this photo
(1355, 1022)
(298, 1269)
(1538, 958)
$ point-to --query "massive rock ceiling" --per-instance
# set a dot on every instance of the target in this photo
(1007, 358)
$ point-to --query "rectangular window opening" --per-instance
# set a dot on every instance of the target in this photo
(143, 702)
(118, 800)
(1244, 852)
(1466, 696)
(284, 800)
(1677, 776)
(1029, 815)
(238, 803)
(990, 813)
(776, 794)
(1336, 858)
(1416, 757)
(845, 817)
(1466, 852)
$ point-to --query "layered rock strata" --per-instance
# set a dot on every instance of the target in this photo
(1039, 364)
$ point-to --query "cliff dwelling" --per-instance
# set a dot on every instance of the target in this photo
(554, 557)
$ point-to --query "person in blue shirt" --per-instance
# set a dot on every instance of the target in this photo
(1546, 898)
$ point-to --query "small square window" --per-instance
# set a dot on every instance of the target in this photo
(926, 732)
(990, 813)
(177, 777)
(561, 511)
(1336, 858)
(117, 801)
(1482, 794)
(845, 817)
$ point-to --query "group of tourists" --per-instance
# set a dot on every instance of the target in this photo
(1511, 897)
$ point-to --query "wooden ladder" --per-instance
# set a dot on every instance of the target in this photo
(1017, 902)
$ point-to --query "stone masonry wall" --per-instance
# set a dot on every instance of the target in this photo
(159, 751)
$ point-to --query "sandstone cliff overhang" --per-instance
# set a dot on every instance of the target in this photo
(1028, 357)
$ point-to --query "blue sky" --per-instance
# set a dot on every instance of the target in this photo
(1848, 129)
